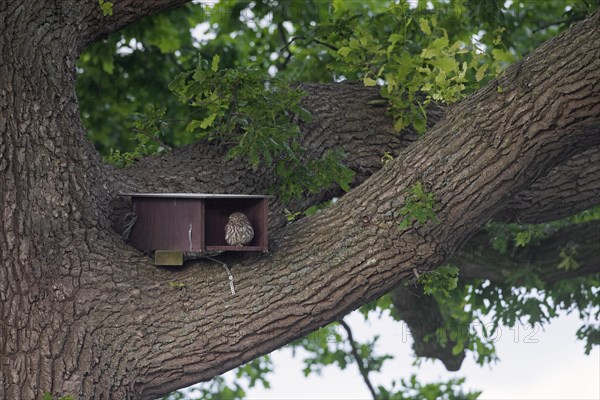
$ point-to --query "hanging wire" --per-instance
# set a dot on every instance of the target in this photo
(229, 274)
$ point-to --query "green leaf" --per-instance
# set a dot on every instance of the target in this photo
(405, 224)
(457, 348)
(106, 7)
(208, 121)
(424, 24)
(445, 64)
(440, 43)
(481, 72)
(305, 115)
(205, 123)
(215, 63)
(369, 81)
(395, 38)
(503, 55)
(420, 125)
(108, 66)
(418, 206)
(568, 261)
(339, 6)
(523, 238)
(344, 51)
(429, 53)
(399, 124)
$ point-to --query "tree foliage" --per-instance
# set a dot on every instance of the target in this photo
(155, 86)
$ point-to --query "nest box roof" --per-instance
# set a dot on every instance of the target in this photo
(198, 195)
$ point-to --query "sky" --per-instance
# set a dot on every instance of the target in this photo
(546, 363)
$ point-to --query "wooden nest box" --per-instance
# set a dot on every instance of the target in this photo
(172, 224)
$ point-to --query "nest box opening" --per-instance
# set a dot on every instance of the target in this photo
(217, 212)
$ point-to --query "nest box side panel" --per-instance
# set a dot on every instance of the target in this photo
(217, 213)
(168, 224)
(264, 224)
(257, 213)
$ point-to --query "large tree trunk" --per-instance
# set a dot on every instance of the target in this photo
(82, 313)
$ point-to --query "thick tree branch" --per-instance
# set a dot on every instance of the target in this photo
(86, 315)
(478, 260)
(93, 25)
(343, 118)
(488, 148)
(423, 316)
(567, 189)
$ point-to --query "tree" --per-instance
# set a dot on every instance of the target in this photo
(85, 314)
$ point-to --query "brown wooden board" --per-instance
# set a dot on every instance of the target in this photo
(168, 224)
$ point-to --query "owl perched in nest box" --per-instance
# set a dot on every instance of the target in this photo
(238, 230)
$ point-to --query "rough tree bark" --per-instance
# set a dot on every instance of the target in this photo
(84, 314)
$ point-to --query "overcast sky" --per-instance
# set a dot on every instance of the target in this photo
(534, 364)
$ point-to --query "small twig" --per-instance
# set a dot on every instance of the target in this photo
(282, 33)
(549, 24)
(286, 44)
(412, 293)
(417, 275)
(329, 46)
(363, 371)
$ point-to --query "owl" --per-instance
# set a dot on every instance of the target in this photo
(238, 230)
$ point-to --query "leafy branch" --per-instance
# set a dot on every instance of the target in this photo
(419, 206)
(48, 396)
(106, 7)
(254, 115)
(441, 280)
(415, 61)
(148, 130)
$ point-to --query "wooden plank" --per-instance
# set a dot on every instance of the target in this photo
(264, 242)
(167, 224)
(202, 245)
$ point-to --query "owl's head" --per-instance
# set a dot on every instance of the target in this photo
(238, 217)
